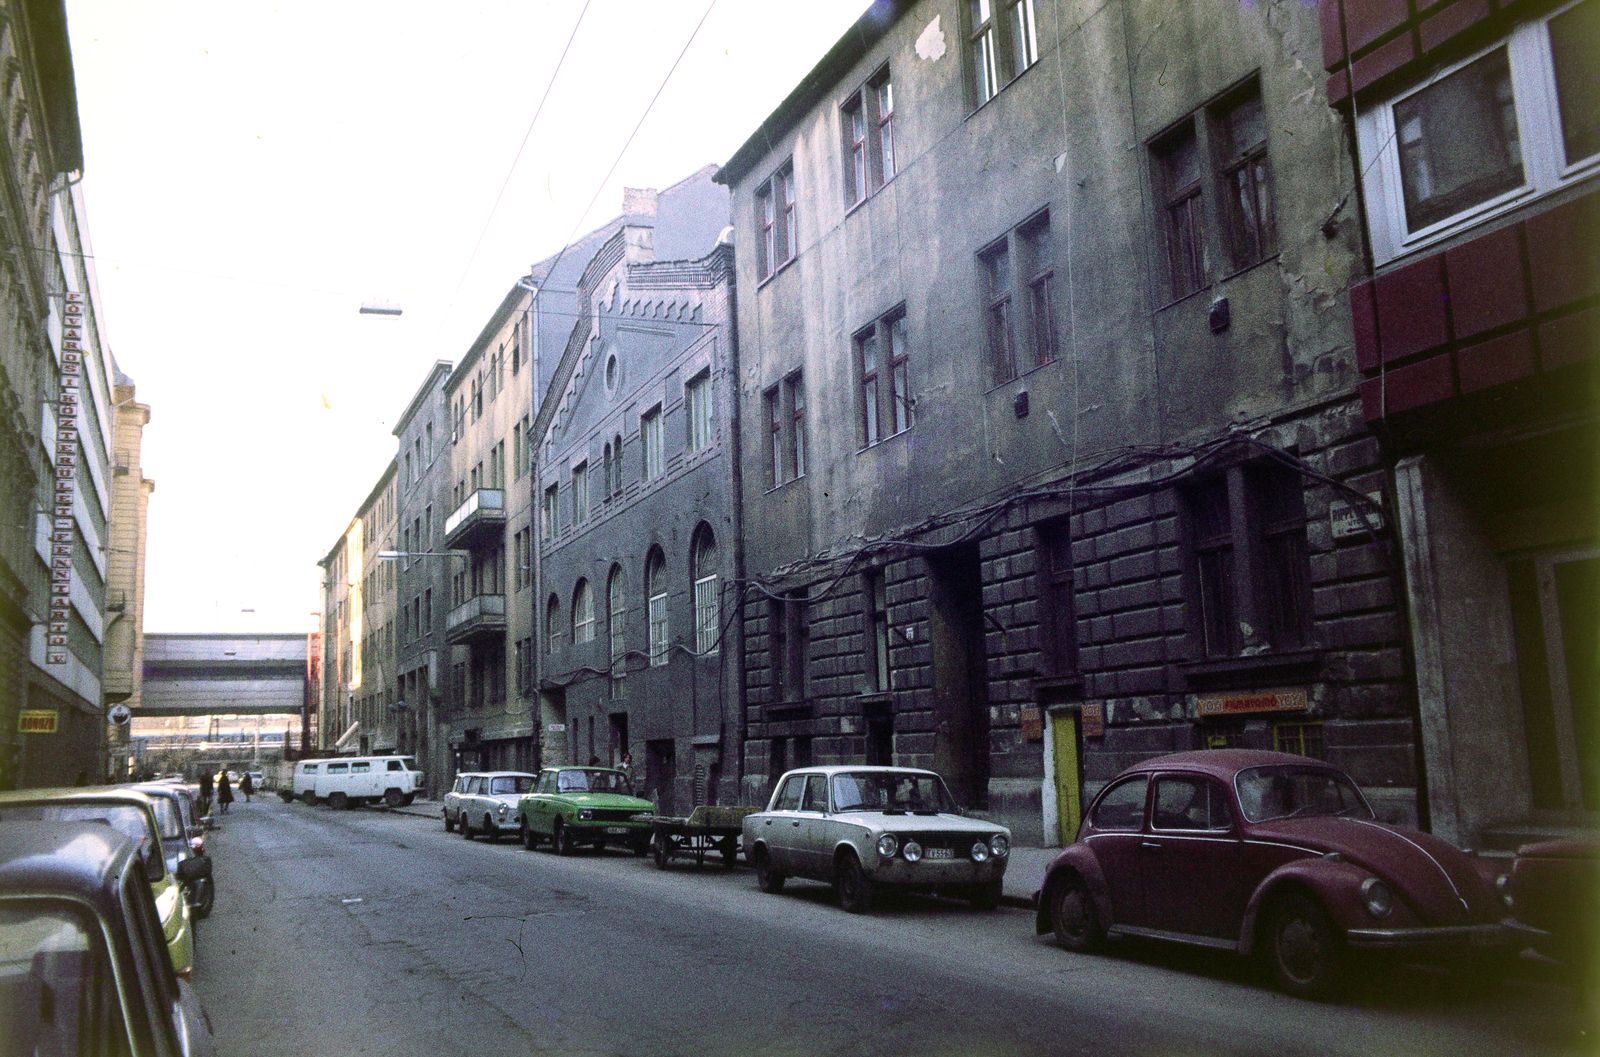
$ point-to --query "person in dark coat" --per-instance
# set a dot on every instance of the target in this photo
(224, 792)
(205, 792)
(247, 785)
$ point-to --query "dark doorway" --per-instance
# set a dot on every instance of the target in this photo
(960, 674)
(661, 773)
(880, 736)
(619, 737)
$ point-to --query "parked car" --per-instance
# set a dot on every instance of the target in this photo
(132, 814)
(866, 828)
(485, 802)
(351, 781)
(592, 806)
(82, 965)
(1265, 852)
(182, 837)
(1555, 891)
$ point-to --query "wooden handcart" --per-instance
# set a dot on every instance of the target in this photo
(707, 830)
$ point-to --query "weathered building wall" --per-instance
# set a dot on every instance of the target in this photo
(1102, 446)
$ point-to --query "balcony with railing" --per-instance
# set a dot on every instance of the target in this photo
(478, 619)
(481, 517)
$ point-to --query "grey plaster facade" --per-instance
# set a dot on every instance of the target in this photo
(1079, 451)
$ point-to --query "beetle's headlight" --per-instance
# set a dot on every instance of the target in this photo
(587, 814)
(999, 847)
(912, 851)
(1378, 898)
(980, 852)
(1502, 888)
(888, 844)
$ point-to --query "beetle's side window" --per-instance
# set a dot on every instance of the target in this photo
(816, 798)
(1122, 807)
(788, 798)
(1189, 803)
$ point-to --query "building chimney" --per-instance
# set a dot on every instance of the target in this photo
(639, 223)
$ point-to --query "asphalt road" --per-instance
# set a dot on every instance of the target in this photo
(368, 932)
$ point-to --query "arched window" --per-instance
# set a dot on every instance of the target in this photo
(582, 613)
(655, 592)
(616, 464)
(617, 612)
(554, 632)
(707, 611)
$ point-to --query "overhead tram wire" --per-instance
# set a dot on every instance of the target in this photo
(476, 246)
(629, 142)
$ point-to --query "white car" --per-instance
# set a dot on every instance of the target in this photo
(866, 828)
(485, 802)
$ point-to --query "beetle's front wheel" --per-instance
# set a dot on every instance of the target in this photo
(1302, 950)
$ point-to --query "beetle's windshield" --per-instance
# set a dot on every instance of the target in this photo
(890, 791)
(1293, 791)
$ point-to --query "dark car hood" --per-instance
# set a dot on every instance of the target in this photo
(1439, 881)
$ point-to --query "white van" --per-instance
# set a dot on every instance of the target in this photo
(352, 781)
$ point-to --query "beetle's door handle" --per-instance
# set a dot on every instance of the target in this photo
(1151, 845)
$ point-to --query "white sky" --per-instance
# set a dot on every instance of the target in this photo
(253, 171)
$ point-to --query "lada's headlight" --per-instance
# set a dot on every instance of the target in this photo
(888, 844)
(999, 847)
(586, 814)
(912, 851)
(980, 852)
(1378, 898)
(505, 809)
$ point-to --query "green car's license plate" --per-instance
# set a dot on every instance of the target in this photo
(616, 831)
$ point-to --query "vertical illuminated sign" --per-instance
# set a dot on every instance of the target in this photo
(353, 564)
(65, 475)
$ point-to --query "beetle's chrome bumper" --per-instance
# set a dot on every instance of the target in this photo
(1496, 935)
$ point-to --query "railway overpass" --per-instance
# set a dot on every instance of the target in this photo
(223, 674)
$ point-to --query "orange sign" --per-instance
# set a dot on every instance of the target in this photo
(1233, 704)
(1094, 720)
(37, 720)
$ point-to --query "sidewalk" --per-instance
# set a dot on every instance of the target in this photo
(1023, 875)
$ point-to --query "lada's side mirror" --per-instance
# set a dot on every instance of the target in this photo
(191, 870)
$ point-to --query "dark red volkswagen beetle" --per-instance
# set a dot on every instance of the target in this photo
(1254, 851)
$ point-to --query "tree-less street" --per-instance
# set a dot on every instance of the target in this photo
(370, 932)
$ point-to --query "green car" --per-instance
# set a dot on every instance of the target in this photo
(584, 805)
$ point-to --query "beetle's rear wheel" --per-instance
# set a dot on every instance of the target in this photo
(1072, 915)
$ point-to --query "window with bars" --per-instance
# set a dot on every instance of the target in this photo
(775, 216)
(655, 591)
(582, 613)
(883, 355)
(1002, 42)
(1302, 739)
(707, 608)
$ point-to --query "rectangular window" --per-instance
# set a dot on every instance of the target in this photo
(1018, 268)
(1247, 181)
(656, 608)
(875, 595)
(772, 401)
(547, 513)
(1575, 57)
(519, 457)
(997, 314)
(855, 123)
(1002, 42)
(883, 363)
(1301, 739)
(866, 121)
(883, 93)
(1036, 256)
(497, 459)
(1057, 625)
(697, 398)
(1248, 568)
(650, 442)
(1458, 141)
(775, 216)
(785, 408)
(580, 493)
(797, 430)
(516, 347)
(706, 610)
(1178, 160)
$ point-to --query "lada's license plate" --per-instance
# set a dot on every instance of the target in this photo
(939, 853)
(616, 831)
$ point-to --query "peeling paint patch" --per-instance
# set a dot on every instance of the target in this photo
(930, 45)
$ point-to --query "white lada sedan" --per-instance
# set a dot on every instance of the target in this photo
(862, 828)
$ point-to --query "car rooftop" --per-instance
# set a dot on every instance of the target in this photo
(56, 858)
(1223, 763)
(857, 768)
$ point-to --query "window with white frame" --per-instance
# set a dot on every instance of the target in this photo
(552, 625)
(706, 607)
(866, 121)
(697, 398)
(582, 613)
(655, 591)
(1516, 120)
(775, 217)
(650, 442)
(580, 493)
(1002, 42)
(547, 513)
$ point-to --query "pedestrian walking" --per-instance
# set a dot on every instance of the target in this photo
(224, 792)
(205, 792)
(247, 785)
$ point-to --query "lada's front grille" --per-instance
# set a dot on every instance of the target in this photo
(958, 844)
(612, 814)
